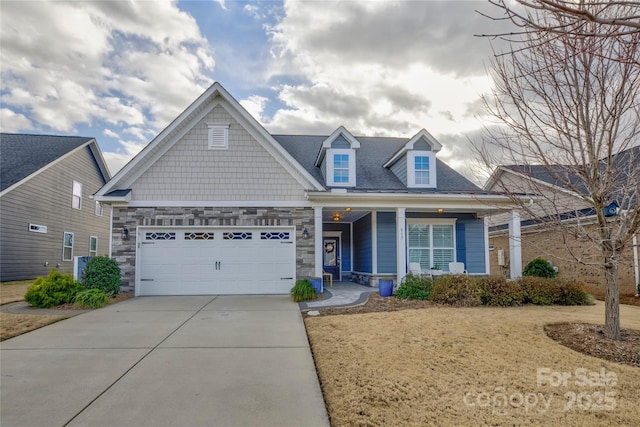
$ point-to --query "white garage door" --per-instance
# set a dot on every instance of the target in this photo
(210, 261)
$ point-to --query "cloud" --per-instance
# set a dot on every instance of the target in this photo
(121, 63)
(109, 133)
(11, 121)
(255, 106)
(116, 160)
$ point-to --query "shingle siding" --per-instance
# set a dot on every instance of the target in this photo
(190, 171)
(45, 199)
(399, 168)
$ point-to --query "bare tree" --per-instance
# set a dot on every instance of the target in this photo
(574, 15)
(564, 107)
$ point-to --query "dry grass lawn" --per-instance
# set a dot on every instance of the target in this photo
(454, 366)
(13, 291)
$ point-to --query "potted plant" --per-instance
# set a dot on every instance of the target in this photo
(316, 282)
(385, 286)
(436, 270)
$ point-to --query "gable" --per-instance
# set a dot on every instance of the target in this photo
(190, 171)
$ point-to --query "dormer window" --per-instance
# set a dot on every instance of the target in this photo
(421, 169)
(341, 170)
(337, 159)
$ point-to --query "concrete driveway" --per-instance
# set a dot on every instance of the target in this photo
(166, 361)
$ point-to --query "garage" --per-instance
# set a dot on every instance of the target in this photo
(215, 260)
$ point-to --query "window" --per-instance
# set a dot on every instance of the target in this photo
(431, 244)
(67, 247)
(76, 201)
(93, 246)
(421, 170)
(218, 137)
(99, 211)
(340, 168)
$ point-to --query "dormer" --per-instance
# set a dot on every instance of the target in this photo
(415, 163)
(337, 159)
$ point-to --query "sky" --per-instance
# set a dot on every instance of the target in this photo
(121, 71)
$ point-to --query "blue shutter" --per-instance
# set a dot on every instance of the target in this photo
(461, 243)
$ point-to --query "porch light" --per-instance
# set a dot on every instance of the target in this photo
(440, 210)
(305, 233)
(347, 210)
(125, 233)
(336, 217)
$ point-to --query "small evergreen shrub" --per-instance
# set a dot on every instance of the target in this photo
(458, 289)
(496, 290)
(91, 298)
(102, 272)
(539, 267)
(55, 289)
(417, 287)
(303, 291)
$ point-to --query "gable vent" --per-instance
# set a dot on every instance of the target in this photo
(218, 137)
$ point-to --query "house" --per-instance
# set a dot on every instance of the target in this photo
(48, 216)
(538, 240)
(217, 205)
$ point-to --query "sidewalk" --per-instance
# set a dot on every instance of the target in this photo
(342, 294)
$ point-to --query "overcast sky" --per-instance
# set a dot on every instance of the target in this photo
(120, 71)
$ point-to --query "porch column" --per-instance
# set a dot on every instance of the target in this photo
(401, 245)
(317, 225)
(636, 267)
(515, 245)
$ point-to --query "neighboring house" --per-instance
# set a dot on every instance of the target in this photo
(47, 214)
(216, 205)
(537, 241)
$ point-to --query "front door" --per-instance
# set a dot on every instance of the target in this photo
(331, 257)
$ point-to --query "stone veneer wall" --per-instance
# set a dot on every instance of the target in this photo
(549, 245)
(124, 251)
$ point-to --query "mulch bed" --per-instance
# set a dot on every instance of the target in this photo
(583, 338)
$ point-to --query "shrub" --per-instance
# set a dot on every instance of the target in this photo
(102, 272)
(303, 291)
(459, 290)
(415, 287)
(496, 290)
(91, 298)
(538, 290)
(55, 289)
(541, 291)
(571, 292)
(539, 267)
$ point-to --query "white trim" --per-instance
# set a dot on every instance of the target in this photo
(215, 132)
(487, 258)
(223, 204)
(111, 233)
(635, 262)
(330, 164)
(35, 228)
(351, 245)
(515, 246)
(317, 222)
(74, 195)
(326, 144)
(493, 180)
(374, 242)
(96, 251)
(401, 244)
(422, 134)
(436, 221)
(64, 235)
(411, 169)
(431, 222)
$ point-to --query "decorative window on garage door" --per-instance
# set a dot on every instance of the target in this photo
(160, 235)
(198, 236)
(237, 235)
(274, 235)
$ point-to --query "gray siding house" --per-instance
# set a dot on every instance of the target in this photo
(47, 213)
(217, 205)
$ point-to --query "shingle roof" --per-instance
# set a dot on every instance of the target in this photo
(373, 153)
(22, 154)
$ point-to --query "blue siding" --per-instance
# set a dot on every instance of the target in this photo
(461, 242)
(386, 242)
(345, 242)
(362, 249)
(340, 142)
(399, 168)
(475, 245)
